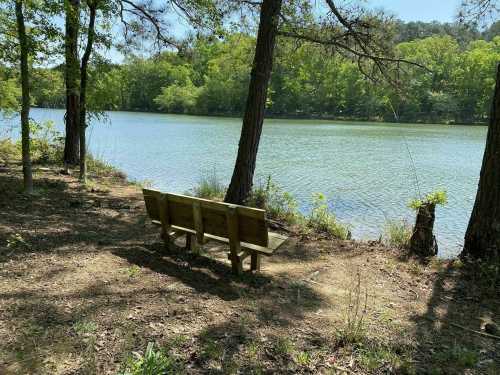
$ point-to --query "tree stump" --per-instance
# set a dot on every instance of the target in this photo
(422, 241)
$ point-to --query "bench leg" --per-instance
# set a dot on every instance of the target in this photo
(192, 244)
(166, 238)
(255, 262)
(236, 265)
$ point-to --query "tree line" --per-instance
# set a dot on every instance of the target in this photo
(358, 62)
(211, 77)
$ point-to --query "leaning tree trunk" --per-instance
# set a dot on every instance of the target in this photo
(25, 103)
(83, 90)
(482, 239)
(242, 179)
(422, 241)
(72, 76)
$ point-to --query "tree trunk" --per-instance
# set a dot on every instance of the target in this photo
(25, 103)
(242, 179)
(482, 239)
(83, 90)
(422, 241)
(72, 75)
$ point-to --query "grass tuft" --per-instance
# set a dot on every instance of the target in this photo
(397, 234)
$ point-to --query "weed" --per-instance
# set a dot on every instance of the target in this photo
(212, 350)
(284, 346)
(354, 327)
(458, 356)
(17, 242)
(397, 234)
(84, 327)
(375, 357)
(153, 362)
(133, 271)
(279, 205)
(322, 220)
(210, 187)
(303, 358)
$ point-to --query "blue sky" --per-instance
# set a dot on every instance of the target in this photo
(419, 10)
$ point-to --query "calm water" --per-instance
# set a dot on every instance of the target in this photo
(364, 168)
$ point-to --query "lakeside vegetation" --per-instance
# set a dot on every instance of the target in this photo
(209, 76)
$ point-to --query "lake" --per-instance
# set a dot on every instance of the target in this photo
(365, 169)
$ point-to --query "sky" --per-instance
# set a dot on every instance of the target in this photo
(419, 10)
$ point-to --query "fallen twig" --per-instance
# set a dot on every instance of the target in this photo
(489, 335)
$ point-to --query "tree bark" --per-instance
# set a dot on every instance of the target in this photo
(242, 179)
(482, 238)
(422, 241)
(72, 76)
(83, 90)
(25, 103)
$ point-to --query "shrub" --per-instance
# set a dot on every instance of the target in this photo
(437, 197)
(100, 168)
(279, 205)
(322, 220)
(210, 187)
(153, 362)
(46, 143)
(8, 151)
(397, 233)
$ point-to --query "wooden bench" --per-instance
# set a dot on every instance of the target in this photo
(243, 228)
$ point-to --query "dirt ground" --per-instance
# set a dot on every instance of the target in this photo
(85, 282)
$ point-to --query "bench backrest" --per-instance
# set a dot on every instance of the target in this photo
(207, 216)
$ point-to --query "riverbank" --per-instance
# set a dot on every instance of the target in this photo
(84, 285)
(276, 116)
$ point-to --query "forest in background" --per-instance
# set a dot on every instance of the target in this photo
(210, 76)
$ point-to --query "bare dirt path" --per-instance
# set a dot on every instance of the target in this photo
(84, 282)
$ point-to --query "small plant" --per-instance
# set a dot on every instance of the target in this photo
(436, 198)
(322, 220)
(397, 233)
(16, 241)
(354, 329)
(100, 168)
(210, 187)
(133, 271)
(279, 205)
(284, 346)
(83, 327)
(458, 356)
(153, 362)
(303, 358)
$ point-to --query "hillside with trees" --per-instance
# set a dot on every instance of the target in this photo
(209, 76)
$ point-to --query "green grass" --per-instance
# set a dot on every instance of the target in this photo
(210, 187)
(84, 327)
(153, 362)
(322, 220)
(397, 234)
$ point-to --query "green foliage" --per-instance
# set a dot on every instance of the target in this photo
(458, 356)
(397, 233)
(84, 327)
(322, 220)
(8, 151)
(10, 95)
(210, 187)
(46, 143)
(279, 205)
(437, 197)
(133, 271)
(153, 362)
(211, 77)
(16, 241)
